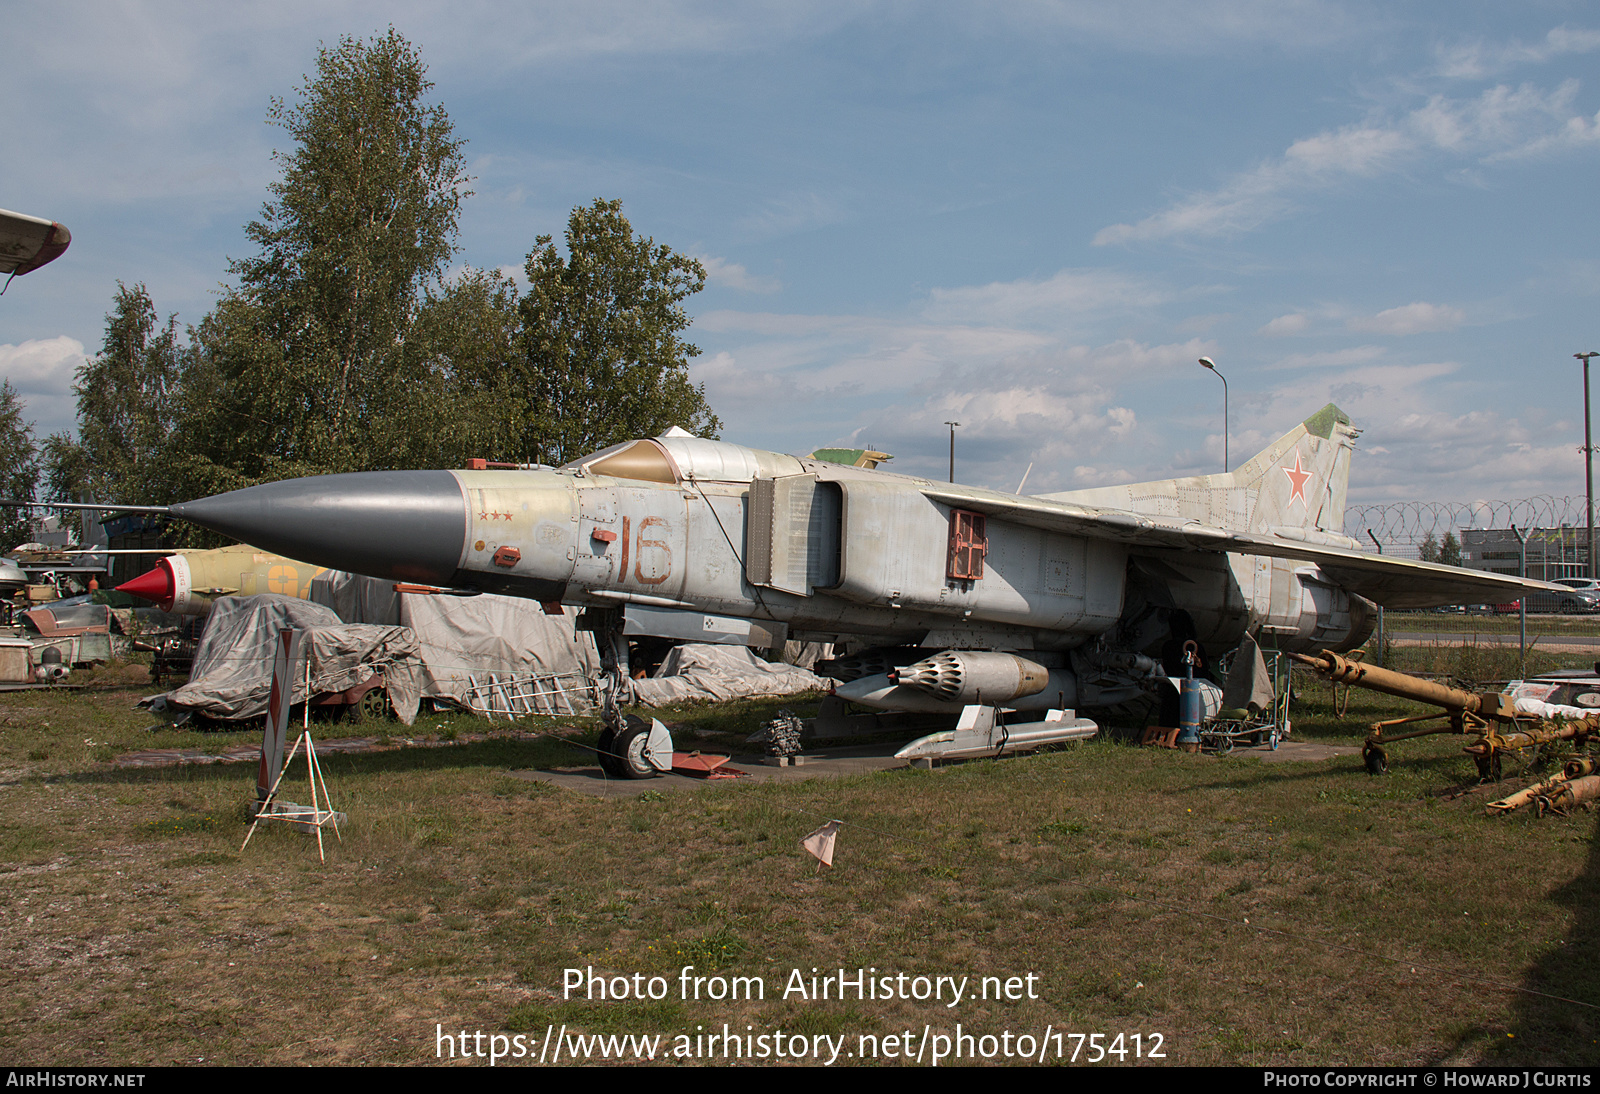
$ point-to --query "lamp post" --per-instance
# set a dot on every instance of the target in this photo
(1588, 455)
(952, 426)
(1212, 365)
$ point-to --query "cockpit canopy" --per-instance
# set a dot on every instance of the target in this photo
(645, 459)
(677, 456)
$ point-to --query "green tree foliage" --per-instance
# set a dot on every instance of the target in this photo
(303, 367)
(467, 343)
(601, 330)
(1450, 550)
(341, 346)
(1428, 550)
(19, 466)
(126, 408)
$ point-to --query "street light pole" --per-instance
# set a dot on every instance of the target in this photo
(952, 426)
(1212, 365)
(1588, 455)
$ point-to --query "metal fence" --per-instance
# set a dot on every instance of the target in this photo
(1556, 535)
(1402, 526)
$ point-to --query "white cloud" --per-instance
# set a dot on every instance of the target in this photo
(1285, 325)
(42, 366)
(1420, 454)
(1410, 319)
(719, 271)
(1068, 292)
(1501, 123)
(43, 370)
(1476, 60)
(788, 214)
(1342, 358)
(1053, 423)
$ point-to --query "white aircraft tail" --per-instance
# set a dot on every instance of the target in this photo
(1295, 484)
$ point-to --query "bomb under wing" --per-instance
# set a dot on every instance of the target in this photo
(1086, 587)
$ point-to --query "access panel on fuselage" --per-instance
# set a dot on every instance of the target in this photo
(895, 545)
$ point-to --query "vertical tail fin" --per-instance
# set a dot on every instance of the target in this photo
(1296, 483)
(1299, 480)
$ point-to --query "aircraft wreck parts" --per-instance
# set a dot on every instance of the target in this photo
(780, 736)
(1493, 715)
(1189, 701)
(1557, 794)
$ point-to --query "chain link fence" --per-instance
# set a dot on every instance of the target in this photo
(1560, 631)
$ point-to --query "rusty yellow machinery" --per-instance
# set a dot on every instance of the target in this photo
(1491, 714)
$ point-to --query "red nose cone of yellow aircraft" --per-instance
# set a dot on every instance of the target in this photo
(157, 585)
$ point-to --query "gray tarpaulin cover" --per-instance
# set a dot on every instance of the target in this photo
(232, 674)
(720, 672)
(474, 635)
(1249, 684)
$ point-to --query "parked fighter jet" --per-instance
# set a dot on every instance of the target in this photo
(189, 581)
(1047, 602)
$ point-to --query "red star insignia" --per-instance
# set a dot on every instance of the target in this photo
(1297, 480)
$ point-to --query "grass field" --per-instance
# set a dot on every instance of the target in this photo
(1245, 912)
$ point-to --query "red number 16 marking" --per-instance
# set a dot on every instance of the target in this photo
(665, 549)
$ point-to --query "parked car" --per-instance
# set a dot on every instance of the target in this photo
(1583, 584)
(1578, 601)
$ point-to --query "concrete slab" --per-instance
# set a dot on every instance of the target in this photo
(1289, 751)
(833, 763)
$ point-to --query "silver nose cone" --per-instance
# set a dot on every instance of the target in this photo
(399, 525)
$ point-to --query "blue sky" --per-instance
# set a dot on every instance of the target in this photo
(1030, 218)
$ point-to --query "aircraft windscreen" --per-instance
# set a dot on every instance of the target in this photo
(631, 460)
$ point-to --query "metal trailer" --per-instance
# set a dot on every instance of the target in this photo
(1230, 729)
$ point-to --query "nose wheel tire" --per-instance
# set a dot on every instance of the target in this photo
(608, 760)
(626, 754)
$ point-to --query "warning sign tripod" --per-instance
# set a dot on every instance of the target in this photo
(306, 819)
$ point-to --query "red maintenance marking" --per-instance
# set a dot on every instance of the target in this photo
(507, 556)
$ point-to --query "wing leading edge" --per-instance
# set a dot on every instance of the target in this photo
(1396, 583)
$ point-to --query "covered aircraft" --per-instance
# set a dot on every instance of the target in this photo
(969, 596)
